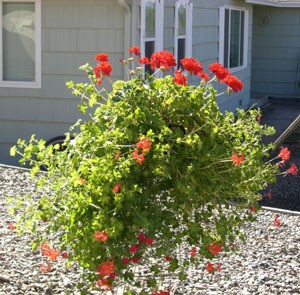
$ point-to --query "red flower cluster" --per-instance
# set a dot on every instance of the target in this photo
(101, 236)
(102, 57)
(292, 170)
(179, 78)
(45, 267)
(161, 292)
(135, 50)
(218, 69)
(50, 253)
(103, 68)
(211, 268)
(10, 225)
(252, 210)
(139, 158)
(233, 82)
(135, 248)
(284, 154)
(106, 268)
(117, 187)
(215, 248)
(162, 59)
(224, 76)
(193, 252)
(104, 283)
(191, 65)
(144, 144)
(237, 159)
(276, 222)
(144, 60)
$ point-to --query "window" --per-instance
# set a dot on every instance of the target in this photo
(233, 37)
(20, 37)
(183, 30)
(151, 28)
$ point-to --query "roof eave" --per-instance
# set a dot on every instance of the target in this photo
(272, 3)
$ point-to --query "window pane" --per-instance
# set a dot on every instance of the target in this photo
(149, 49)
(18, 30)
(235, 39)
(150, 20)
(181, 19)
(181, 50)
(226, 39)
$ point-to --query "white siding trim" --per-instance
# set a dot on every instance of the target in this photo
(38, 63)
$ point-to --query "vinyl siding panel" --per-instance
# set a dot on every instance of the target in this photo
(276, 53)
(73, 32)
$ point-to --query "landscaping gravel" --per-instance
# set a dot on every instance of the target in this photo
(267, 263)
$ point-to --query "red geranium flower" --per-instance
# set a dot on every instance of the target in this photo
(191, 65)
(101, 236)
(284, 154)
(252, 210)
(162, 59)
(236, 159)
(133, 249)
(161, 292)
(64, 254)
(135, 50)
(209, 267)
(149, 241)
(45, 267)
(276, 222)
(11, 226)
(204, 76)
(141, 237)
(102, 57)
(215, 248)
(139, 158)
(292, 170)
(135, 259)
(105, 68)
(126, 260)
(144, 143)
(144, 60)
(104, 283)
(233, 82)
(117, 155)
(193, 252)
(50, 253)
(179, 78)
(219, 70)
(117, 188)
(168, 258)
(105, 268)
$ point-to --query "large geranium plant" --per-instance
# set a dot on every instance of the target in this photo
(157, 166)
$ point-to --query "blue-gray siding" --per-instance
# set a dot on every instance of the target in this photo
(276, 52)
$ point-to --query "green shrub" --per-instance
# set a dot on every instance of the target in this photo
(157, 165)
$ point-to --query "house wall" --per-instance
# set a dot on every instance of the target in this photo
(73, 32)
(206, 48)
(206, 43)
(276, 52)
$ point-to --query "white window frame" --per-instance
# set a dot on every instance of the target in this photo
(222, 36)
(159, 25)
(189, 29)
(25, 84)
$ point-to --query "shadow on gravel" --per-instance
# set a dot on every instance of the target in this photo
(285, 193)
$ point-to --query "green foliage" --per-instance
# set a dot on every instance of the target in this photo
(187, 189)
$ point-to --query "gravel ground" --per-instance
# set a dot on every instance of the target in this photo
(268, 263)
